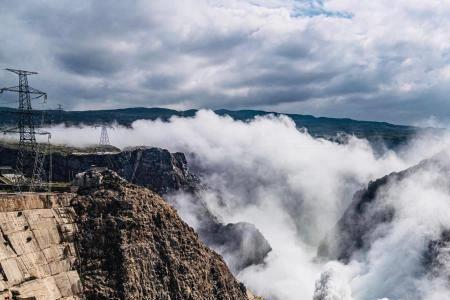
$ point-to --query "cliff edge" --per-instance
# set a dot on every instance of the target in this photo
(133, 245)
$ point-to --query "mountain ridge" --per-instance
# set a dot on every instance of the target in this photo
(161, 112)
(389, 134)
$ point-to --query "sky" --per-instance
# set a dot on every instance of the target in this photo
(372, 60)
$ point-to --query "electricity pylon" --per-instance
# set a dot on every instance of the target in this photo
(104, 138)
(26, 129)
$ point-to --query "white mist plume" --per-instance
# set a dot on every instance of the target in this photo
(393, 267)
(333, 284)
(293, 187)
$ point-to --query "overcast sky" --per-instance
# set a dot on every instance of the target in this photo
(377, 60)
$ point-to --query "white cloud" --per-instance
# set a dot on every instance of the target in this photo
(294, 188)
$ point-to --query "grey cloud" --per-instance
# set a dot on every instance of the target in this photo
(213, 43)
(243, 54)
(162, 82)
(353, 85)
(279, 76)
(293, 50)
(90, 62)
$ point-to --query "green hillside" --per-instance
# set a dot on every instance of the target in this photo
(390, 134)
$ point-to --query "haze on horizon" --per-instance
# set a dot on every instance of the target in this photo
(369, 60)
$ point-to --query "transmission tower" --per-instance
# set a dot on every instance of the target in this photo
(26, 128)
(104, 138)
(103, 147)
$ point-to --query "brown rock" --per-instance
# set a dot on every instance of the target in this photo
(133, 245)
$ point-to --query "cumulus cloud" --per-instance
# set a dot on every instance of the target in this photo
(361, 59)
(294, 188)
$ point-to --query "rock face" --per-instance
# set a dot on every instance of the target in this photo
(155, 168)
(37, 255)
(363, 217)
(242, 244)
(165, 173)
(358, 222)
(159, 170)
(352, 232)
(123, 241)
(133, 245)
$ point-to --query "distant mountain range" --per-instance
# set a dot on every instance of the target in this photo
(391, 135)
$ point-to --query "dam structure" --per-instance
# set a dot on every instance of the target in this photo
(37, 252)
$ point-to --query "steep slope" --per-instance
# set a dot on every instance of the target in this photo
(368, 217)
(165, 173)
(133, 245)
(358, 222)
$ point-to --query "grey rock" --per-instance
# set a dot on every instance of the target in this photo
(242, 244)
(353, 231)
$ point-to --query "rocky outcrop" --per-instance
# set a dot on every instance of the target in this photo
(37, 255)
(354, 231)
(363, 216)
(164, 173)
(242, 244)
(358, 222)
(133, 245)
(155, 168)
(123, 241)
(159, 170)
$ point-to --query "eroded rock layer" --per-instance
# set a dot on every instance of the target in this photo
(134, 246)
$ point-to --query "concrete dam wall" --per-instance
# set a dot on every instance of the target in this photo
(37, 251)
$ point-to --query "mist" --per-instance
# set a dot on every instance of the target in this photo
(294, 188)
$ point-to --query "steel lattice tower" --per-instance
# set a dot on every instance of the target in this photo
(25, 124)
(104, 138)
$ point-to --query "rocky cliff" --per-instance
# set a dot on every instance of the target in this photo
(359, 227)
(133, 245)
(110, 240)
(155, 168)
(242, 244)
(358, 222)
(164, 173)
